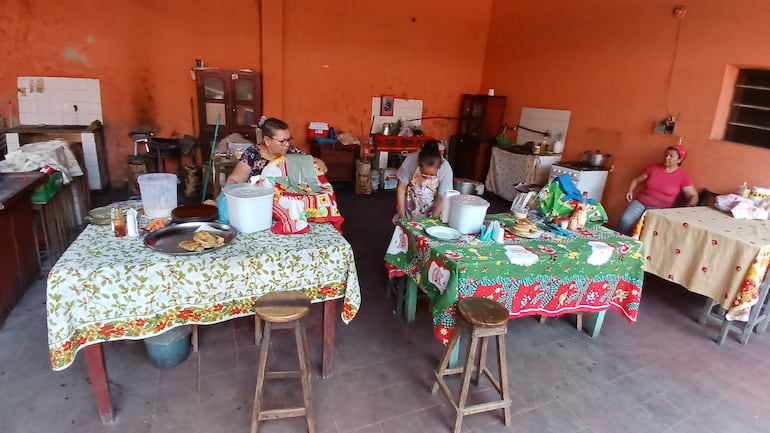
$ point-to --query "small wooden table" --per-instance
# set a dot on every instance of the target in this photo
(105, 289)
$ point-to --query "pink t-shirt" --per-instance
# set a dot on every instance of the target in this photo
(661, 188)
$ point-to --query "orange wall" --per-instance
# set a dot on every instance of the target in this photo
(341, 53)
(609, 63)
(140, 50)
(322, 60)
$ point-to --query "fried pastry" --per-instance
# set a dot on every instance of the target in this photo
(191, 245)
(523, 227)
(208, 240)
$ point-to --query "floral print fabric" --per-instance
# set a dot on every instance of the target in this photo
(105, 288)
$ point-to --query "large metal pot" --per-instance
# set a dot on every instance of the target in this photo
(468, 186)
(596, 159)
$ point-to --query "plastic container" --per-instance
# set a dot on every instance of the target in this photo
(170, 348)
(375, 179)
(389, 178)
(467, 212)
(249, 207)
(159, 194)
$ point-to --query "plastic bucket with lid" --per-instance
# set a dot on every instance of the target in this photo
(159, 193)
(249, 207)
(467, 212)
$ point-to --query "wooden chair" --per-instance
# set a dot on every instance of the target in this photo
(283, 310)
(484, 318)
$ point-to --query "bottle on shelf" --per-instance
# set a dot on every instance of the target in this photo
(118, 220)
(544, 145)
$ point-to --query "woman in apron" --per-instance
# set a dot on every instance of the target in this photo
(417, 195)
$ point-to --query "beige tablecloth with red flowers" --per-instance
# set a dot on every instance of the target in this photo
(709, 252)
(105, 288)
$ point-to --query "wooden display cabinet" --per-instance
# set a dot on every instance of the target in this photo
(233, 96)
(480, 121)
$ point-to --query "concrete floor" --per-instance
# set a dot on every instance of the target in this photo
(662, 374)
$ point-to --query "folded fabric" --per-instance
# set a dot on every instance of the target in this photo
(320, 206)
(553, 202)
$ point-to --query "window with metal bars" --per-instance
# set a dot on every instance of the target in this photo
(749, 119)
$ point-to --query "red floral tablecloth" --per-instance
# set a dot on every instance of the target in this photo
(709, 252)
(105, 288)
(551, 275)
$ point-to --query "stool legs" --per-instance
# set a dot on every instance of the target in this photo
(260, 414)
(478, 336)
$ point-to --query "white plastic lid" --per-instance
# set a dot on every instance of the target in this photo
(247, 191)
(470, 200)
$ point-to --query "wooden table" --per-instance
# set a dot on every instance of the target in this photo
(105, 289)
(551, 275)
(19, 254)
(711, 253)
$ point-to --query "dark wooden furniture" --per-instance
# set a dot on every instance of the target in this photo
(282, 310)
(480, 121)
(339, 159)
(235, 96)
(484, 318)
(19, 254)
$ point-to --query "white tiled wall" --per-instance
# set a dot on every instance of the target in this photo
(541, 119)
(59, 101)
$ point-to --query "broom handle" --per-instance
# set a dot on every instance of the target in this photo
(211, 160)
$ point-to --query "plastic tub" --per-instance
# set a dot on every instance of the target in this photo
(249, 207)
(159, 194)
(170, 348)
(467, 212)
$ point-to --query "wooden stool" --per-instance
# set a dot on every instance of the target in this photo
(485, 318)
(283, 310)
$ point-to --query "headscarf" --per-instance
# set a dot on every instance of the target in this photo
(681, 150)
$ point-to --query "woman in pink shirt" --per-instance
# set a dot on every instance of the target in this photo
(659, 187)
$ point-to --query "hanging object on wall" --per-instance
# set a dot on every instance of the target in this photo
(666, 126)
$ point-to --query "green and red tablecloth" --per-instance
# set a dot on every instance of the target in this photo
(551, 275)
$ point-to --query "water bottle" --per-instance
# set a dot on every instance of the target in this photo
(222, 208)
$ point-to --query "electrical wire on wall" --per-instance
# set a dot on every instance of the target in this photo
(678, 13)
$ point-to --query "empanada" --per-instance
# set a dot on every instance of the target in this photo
(208, 240)
(191, 245)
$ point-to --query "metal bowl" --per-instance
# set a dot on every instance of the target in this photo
(466, 186)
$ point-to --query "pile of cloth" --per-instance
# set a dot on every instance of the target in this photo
(561, 197)
(34, 156)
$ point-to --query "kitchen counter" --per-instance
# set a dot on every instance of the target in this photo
(19, 254)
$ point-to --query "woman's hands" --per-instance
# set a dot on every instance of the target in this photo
(634, 183)
(630, 195)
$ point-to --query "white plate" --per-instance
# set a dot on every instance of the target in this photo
(443, 233)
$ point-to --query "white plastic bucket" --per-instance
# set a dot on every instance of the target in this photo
(158, 191)
(249, 207)
(467, 212)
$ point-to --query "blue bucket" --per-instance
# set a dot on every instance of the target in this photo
(170, 348)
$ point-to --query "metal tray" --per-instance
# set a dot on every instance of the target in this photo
(167, 239)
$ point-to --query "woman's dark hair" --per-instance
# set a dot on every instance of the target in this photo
(429, 155)
(271, 125)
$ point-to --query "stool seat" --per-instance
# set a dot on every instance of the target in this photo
(282, 307)
(282, 310)
(483, 318)
(483, 312)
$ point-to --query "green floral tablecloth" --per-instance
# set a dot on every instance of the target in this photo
(106, 288)
(551, 275)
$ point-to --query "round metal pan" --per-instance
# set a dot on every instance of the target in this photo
(167, 239)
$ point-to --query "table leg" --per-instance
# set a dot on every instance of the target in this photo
(593, 323)
(411, 299)
(330, 320)
(707, 307)
(98, 375)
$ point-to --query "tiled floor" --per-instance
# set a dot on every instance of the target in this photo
(663, 374)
